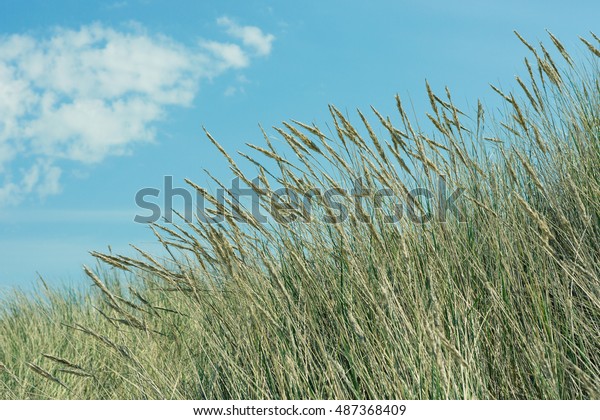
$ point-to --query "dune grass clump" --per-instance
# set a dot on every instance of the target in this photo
(497, 298)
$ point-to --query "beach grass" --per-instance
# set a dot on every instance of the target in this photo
(493, 296)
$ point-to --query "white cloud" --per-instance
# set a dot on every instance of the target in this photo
(230, 55)
(251, 36)
(84, 95)
(238, 88)
(9, 193)
(41, 178)
(88, 130)
(230, 91)
(234, 90)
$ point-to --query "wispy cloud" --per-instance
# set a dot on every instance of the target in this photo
(84, 95)
(228, 55)
(251, 36)
(232, 90)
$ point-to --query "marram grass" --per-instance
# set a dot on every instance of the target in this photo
(504, 303)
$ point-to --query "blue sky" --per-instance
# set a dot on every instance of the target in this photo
(101, 99)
